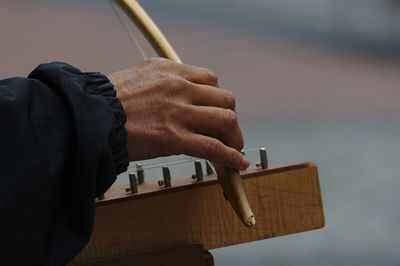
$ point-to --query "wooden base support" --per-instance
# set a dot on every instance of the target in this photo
(183, 255)
(286, 199)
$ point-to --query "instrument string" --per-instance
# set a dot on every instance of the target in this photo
(128, 29)
(157, 165)
(151, 165)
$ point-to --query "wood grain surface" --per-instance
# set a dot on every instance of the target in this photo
(183, 255)
(285, 199)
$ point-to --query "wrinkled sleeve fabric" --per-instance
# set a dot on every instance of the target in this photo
(62, 143)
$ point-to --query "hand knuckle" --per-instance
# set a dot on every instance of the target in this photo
(170, 82)
(211, 147)
(156, 60)
(211, 76)
(177, 109)
(166, 132)
(235, 157)
(174, 82)
(229, 99)
(150, 61)
(230, 118)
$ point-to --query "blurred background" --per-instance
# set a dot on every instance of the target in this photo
(315, 80)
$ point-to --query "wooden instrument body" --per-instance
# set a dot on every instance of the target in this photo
(285, 198)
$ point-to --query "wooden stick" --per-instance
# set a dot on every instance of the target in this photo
(149, 29)
(229, 178)
(231, 183)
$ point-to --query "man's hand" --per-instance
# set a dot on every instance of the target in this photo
(178, 109)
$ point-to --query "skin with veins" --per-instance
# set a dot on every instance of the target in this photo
(175, 109)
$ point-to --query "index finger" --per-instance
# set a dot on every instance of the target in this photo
(214, 150)
(199, 75)
(205, 95)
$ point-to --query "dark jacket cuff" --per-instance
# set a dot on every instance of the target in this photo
(98, 84)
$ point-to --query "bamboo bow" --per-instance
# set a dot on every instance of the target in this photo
(230, 179)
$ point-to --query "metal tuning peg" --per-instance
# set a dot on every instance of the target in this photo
(140, 173)
(166, 176)
(264, 158)
(133, 183)
(199, 171)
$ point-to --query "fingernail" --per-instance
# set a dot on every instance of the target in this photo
(245, 162)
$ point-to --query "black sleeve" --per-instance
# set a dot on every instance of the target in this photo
(62, 142)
